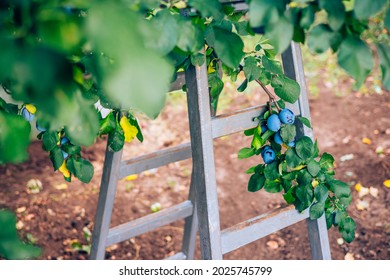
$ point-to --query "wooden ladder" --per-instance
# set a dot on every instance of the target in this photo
(202, 202)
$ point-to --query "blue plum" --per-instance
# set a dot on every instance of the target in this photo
(64, 140)
(287, 116)
(273, 123)
(263, 128)
(268, 155)
(39, 128)
(27, 115)
(291, 144)
(278, 139)
(65, 154)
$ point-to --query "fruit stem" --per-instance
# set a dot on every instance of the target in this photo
(270, 95)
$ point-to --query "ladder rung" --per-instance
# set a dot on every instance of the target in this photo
(155, 159)
(236, 121)
(152, 221)
(258, 227)
(178, 256)
(221, 125)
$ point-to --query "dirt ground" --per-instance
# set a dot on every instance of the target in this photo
(58, 217)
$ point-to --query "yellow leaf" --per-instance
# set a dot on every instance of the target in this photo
(366, 141)
(130, 130)
(210, 69)
(131, 177)
(314, 183)
(31, 108)
(358, 187)
(299, 167)
(64, 170)
(387, 183)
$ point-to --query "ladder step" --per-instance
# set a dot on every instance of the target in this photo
(178, 256)
(258, 227)
(155, 159)
(221, 125)
(236, 121)
(152, 221)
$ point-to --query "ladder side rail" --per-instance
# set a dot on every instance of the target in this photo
(293, 67)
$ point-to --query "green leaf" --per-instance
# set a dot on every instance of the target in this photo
(347, 229)
(321, 193)
(304, 195)
(304, 178)
(316, 210)
(211, 8)
(387, 20)
(251, 70)
(329, 219)
(256, 182)
(243, 86)
(364, 9)
(215, 84)
(288, 133)
(326, 161)
(116, 139)
(313, 167)
(336, 13)
(167, 32)
(56, 157)
(304, 148)
(264, 12)
(305, 121)
(280, 34)
(286, 88)
(10, 246)
(384, 59)
(271, 171)
(228, 46)
(50, 140)
(71, 149)
(198, 59)
(355, 58)
(250, 131)
(292, 158)
(272, 186)
(83, 124)
(107, 124)
(288, 196)
(133, 121)
(339, 217)
(246, 153)
(14, 138)
(251, 170)
(339, 188)
(272, 65)
(308, 16)
(321, 38)
(81, 168)
(120, 54)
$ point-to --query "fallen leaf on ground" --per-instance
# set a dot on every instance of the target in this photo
(349, 257)
(358, 187)
(62, 186)
(273, 244)
(34, 186)
(386, 183)
(367, 141)
(374, 192)
(362, 205)
(346, 157)
(131, 177)
(21, 209)
(340, 241)
(19, 225)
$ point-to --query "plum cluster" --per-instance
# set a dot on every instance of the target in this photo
(274, 124)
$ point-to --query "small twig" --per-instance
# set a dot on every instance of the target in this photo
(270, 95)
